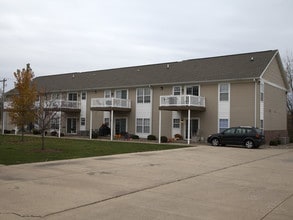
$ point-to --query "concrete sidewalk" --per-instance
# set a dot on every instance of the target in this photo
(193, 183)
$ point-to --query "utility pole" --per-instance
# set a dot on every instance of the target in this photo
(3, 99)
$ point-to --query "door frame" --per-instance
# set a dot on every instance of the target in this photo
(126, 123)
(185, 125)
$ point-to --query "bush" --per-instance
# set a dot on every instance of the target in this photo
(178, 137)
(133, 136)
(152, 137)
(7, 131)
(275, 142)
(164, 139)
(36, 131)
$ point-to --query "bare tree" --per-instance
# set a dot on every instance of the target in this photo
(288, 61)
(46, 110)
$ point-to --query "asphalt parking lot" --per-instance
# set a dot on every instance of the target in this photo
(201, 182)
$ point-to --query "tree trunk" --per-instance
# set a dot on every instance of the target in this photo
(43, 140)
(22, 133)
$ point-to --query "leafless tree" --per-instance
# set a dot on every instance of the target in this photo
(46, 110)
(288, 62)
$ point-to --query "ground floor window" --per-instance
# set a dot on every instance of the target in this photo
(71, 125)
(82, 121)
(176, 123)
(54, 123)
(223, 124)
(143, 125)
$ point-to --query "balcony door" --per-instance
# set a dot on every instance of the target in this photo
(192, 90)
(194, 126)
(71, 126)
(120, 125)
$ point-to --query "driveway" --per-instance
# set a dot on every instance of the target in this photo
(201, 182)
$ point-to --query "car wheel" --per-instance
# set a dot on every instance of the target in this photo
(215, 142)
(249, 144)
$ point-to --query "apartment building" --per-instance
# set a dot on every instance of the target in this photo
(193, 98)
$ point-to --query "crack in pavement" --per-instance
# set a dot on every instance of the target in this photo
(167, 183)
(156, 186)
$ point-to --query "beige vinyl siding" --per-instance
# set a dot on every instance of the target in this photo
(242, 104)
(166, 115)
(275, 115)
(209, 118)
(273, 74)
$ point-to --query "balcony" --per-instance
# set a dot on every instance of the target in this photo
(182, 102)
(62, 105)
(55, 105)
(108, 104)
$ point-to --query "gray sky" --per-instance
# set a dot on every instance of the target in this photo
(60, 36)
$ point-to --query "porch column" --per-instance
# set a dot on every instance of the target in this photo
(160, 125)
(59, 131)
(112, 124)
(91, 123)
(188, 128)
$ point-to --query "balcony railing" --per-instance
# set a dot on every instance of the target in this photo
(182, 100)
(52, 104)
(110, 103)
(61, 104)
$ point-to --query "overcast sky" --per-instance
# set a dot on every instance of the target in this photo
(61, 36)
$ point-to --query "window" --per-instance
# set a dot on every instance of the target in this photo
(72, 96)
(83, 95)
(261, 92)
(107, 121)
(230, 131)
(56, 96)
(192, 90)
(143, 95)
(176, 123)
(177, 90)
(223, 124)
(54, 124)
(107, 94)
(121, 94)
(261, 124)
(143, 125)
(224, 92)
(82, 121)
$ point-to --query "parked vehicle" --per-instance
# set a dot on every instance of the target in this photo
(249, 137)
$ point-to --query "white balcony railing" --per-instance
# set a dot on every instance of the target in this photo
(53, 104)
(110, 102)
(62, 104)
(182, 100)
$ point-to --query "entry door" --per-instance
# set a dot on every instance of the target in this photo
(71, 125)
(193, 128)
(120, 125)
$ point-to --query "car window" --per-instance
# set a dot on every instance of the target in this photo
(229, 131)
(241, 131)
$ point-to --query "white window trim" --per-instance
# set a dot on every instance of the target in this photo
(173, 91)
(219, 91)
(185, 88)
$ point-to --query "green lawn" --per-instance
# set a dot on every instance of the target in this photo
(14, 151)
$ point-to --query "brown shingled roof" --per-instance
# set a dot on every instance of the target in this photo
(240, 66)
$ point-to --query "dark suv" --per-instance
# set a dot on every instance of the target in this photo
(250, 137)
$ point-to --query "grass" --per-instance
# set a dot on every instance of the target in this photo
(14, 151)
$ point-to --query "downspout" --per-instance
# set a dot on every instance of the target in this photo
(255, 101)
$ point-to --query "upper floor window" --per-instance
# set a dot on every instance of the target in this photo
(56, 96)
(177, 90)
(72, 96)
(143, 95)
(192, 90)
(262, 91)
(121, 94)
(224, 91)
(107, 94)
(83, 95)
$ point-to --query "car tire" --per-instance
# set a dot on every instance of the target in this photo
(249, 144)
(215, 142)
